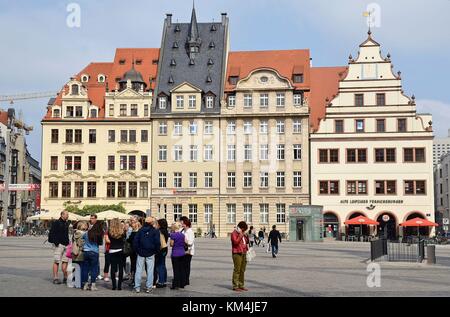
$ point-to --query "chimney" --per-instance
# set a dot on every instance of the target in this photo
(169, 19)
(224, 18)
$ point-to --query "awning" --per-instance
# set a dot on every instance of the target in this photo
(361, 220)
(418, 222)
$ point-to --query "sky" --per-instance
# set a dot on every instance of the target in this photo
(39, 52)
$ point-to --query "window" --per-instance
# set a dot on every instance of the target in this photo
(356, 187)
(232, 100)
(281, 213)
(209, 102)
(247, 179)
(68, 163)
(132, 136)
(132, 162)
(192, 101)
(123, 110)
(280, 126)
(178, 128)
(69, 111)
(280, 152)
(208, 179)
(66, 190)
(264, 152)
(93, 113)
(208, 153)
(280, 179)
(281, 99)
(192, 179)
(91, 163)
(415, 187)
(193, 153)
(298, 78)
(263, 127)
(123, 136)
(162, 153)
(111, 136)
(359, 100)
(264, 100)
(162, 180)
(123, 162)
(55, 135)
(231, 127)
(381, 125)
(329, 187)
(263, 179)
(193, 213)
(163, 128)
(297, 126)
(78, 136)
(178, 153)
(111, 163)
(297, 177)
(134, 110)
(162, 102)
(79, 189)
(339, 126)
(248, 213)
(247, 100)
(132, 189)
(297, 151)
(53, 189)
(122, 190)
(78, 111)
(359, 125)
(385, 187)
(177, 179)
(92, 136)
(231, 213)
(208, 128)
(111, 110)
(91, 189)
(69, 136)
(385, 155)
(145, 110)
(247, 152)
(56, 113)
(356, 156)
(401, 125)
(110, 189)
(231, 179)
(144, 135)
(298, 99)
(381, 99)
(177, 212)
(144, 162)
(77, 163)
(248, 127)
(54, 163)
(231, 152)
(329, 156)
(192, 127)
(415, 155)
(180, 102)
(264, 213)
(208, 213)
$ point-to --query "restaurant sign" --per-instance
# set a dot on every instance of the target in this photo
(20, 187)
(371, 201)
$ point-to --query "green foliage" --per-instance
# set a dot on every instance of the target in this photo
(93, 209)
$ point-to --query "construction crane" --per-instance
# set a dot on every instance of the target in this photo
(25, 96)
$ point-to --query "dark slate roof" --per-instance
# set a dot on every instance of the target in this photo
(207, 70)
(133, 75)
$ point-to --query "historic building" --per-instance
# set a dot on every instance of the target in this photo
(442, 191)
(441, 146)
(372, 152)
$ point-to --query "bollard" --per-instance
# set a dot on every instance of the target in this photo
(431, 254)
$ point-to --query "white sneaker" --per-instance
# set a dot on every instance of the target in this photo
(86, 287)
(100, 277)
(106, 279)
(93, 287)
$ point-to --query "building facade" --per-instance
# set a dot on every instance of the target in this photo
(442, 191)
(441, 146)
(372, 152)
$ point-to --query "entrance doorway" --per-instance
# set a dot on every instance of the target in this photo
(387, 227)
(300, 230)
(330, 225)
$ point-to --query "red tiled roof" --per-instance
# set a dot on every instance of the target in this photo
(285, 62)
(4, 117)
(324, 84)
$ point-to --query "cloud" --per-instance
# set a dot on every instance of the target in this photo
(440, 112)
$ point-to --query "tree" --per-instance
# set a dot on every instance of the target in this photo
(92, 209)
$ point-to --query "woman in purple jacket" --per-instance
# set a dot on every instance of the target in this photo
(177, 240)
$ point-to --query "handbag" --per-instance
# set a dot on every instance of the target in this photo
(251, 254)
(69, 251)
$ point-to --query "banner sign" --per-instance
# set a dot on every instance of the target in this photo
(20, 187)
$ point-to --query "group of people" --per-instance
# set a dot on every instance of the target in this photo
(145, 241)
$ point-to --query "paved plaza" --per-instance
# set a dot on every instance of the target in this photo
(302, 269)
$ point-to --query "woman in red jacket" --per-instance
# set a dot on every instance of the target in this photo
(239, 244)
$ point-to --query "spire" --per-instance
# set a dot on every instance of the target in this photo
(193, 28)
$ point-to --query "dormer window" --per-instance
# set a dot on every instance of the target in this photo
(297, 78)
(69, 111)
(122, 62)
(233, 80)
(78, 111)
(56, 113)
(84, 78)
(209, 102)
(101, 78)
(298, 99)
(139, 62)
(75, 89)
(93, 113)
(162, 102)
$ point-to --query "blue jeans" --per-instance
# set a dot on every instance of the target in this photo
(161, 270)
(274, 249)
(140, 266)
(90, 265)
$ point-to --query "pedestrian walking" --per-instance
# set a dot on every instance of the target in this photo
(160, 272)
(239, 247)
(59, 237)
(93, 238)
(274, 237)
(213, 232)
(251, 236)
(189, 247)
(116, 238)
(146, 244)
(261, 238)
(177, 242)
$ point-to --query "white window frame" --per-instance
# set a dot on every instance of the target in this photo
(231, 127)
(209, 102)
(248, 100)
(263, 179)
(281, 152)
(297, 99)
(208, 213)
(264, 127)
(232, 100)
(208, 152)
(162, 102)
(264, 100)
(192, 128)
(162, 128)
(248, 152)
(193, 179)
(208, 179)
(281, 213)
(281, 99)
(264, 213)
(178, 128)
(208, 128)
(162, 180)
(231, 213)
(192, 101)
(231, 152)
(248, 213)
(280, 126)
(180, 102)
(297, 148)
(281, 180)
(231, 180)
(162, 153)
(248, 127)
(297, 179)
(297, 126)
(177, 176)
(248, 183)
(193, 153)
(178, 153)
(264, 152)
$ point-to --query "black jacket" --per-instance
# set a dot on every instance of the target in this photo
(59, 233)
(274, 236)
(146, 242)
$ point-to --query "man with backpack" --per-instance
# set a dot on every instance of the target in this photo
(59, 237)
(146, 244)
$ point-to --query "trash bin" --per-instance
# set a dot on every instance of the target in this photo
(431, 254)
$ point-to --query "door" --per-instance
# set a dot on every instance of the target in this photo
(300, 231)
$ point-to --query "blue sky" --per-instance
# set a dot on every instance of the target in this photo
(39, 52)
